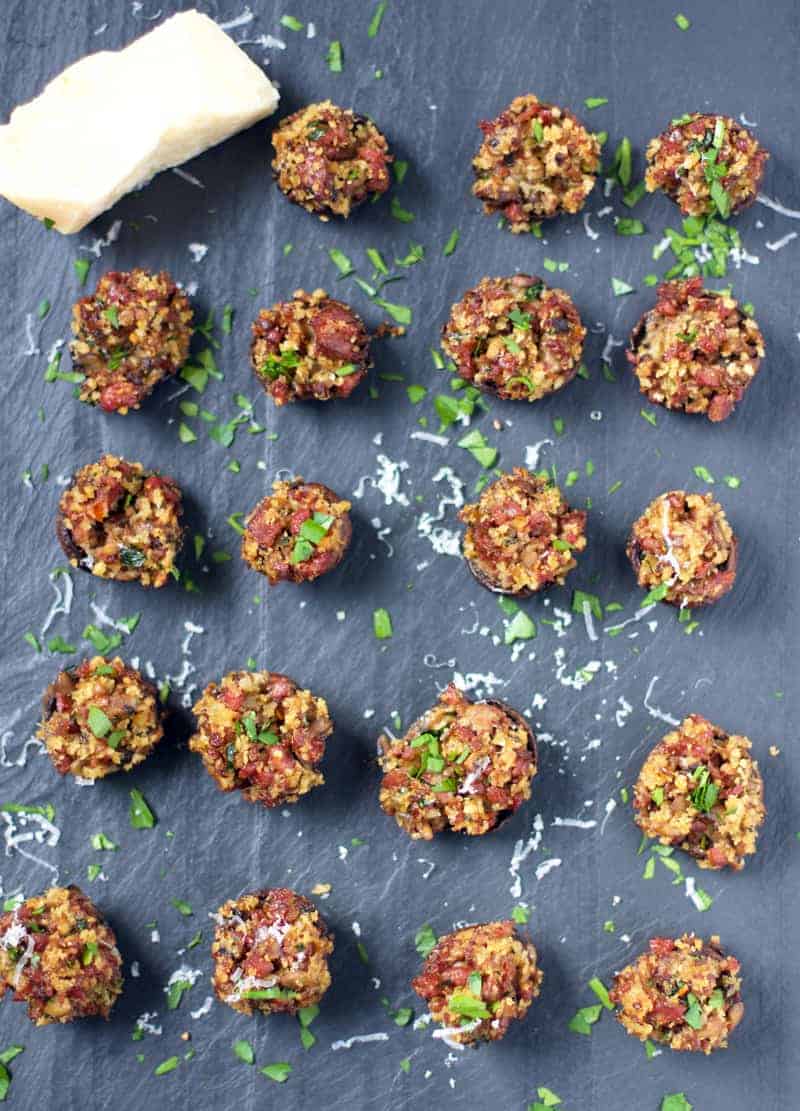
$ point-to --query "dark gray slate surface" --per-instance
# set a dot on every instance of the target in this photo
(445, 66)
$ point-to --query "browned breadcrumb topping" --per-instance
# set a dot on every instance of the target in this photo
(329, 160)
(536, 160)
(132, 332)
(521, 534)
(121, 522)
(312, 347)
(58, 955)
(270, 952)
(258, 733)
(478, 980)
(683, 993)
(683, 547)
(297, 533)
(99, 717)
(515, 337)
(701, 791)
(677, 162)
(463, 766)
(695, 350)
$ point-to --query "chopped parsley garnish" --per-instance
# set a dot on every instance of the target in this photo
(584, 1019)
(334, 57)
(416, 253)
(58, 644)
(291, 23)
(169, 1065)
(601, 991)
(377, 18)
(33, 640)
(183, 907)
(625, 226)
(99, 723)
(141, 816)
(175, 993)
(657, 594)
(677, 1101)
(649, 416)
(451, 243)
(620, 288)
(399, 313)
(400, 213)
(632, 197)
(547, 1098)
(595, 101)
(400, 169)
(620, 169)
(581, 597)
(382, 624)
(279, 1072)
(131, 557)
(81, 266)
(521, 914)
(467, 1006)
(693, 1016)
(101, 843)
(424, 940)
(244, 1051)
(340, 261)
(682, 22)
(520, 627)
(475, 443)
(732, 481)
(704, 473)
(705, 792)
(112, 316)
(376, 258)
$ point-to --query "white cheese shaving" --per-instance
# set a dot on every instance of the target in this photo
(547, 866)
(348, 1043)
(776, 206)
(63, 600)
(654, 711)
(779, 244)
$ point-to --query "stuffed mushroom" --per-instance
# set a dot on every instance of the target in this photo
(297, 533)
(707, 164)
(478, 980)
(464, 766)
(521, 534)
(700, 790)
(99, 717)
(120, 521)
(536, 161)
(130, 334)
(696, 350)
(270, 953)
(60, 957)
(685, 994)
(259, 733)
(515, 337)
(683, 550)
(310, 348)
(329, 160)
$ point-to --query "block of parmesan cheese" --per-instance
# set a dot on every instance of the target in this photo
(113, 120)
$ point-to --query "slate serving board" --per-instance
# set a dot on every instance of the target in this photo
(444, 67)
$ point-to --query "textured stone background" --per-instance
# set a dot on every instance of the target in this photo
(445, 66)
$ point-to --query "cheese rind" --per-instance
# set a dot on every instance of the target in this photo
(113, 120)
